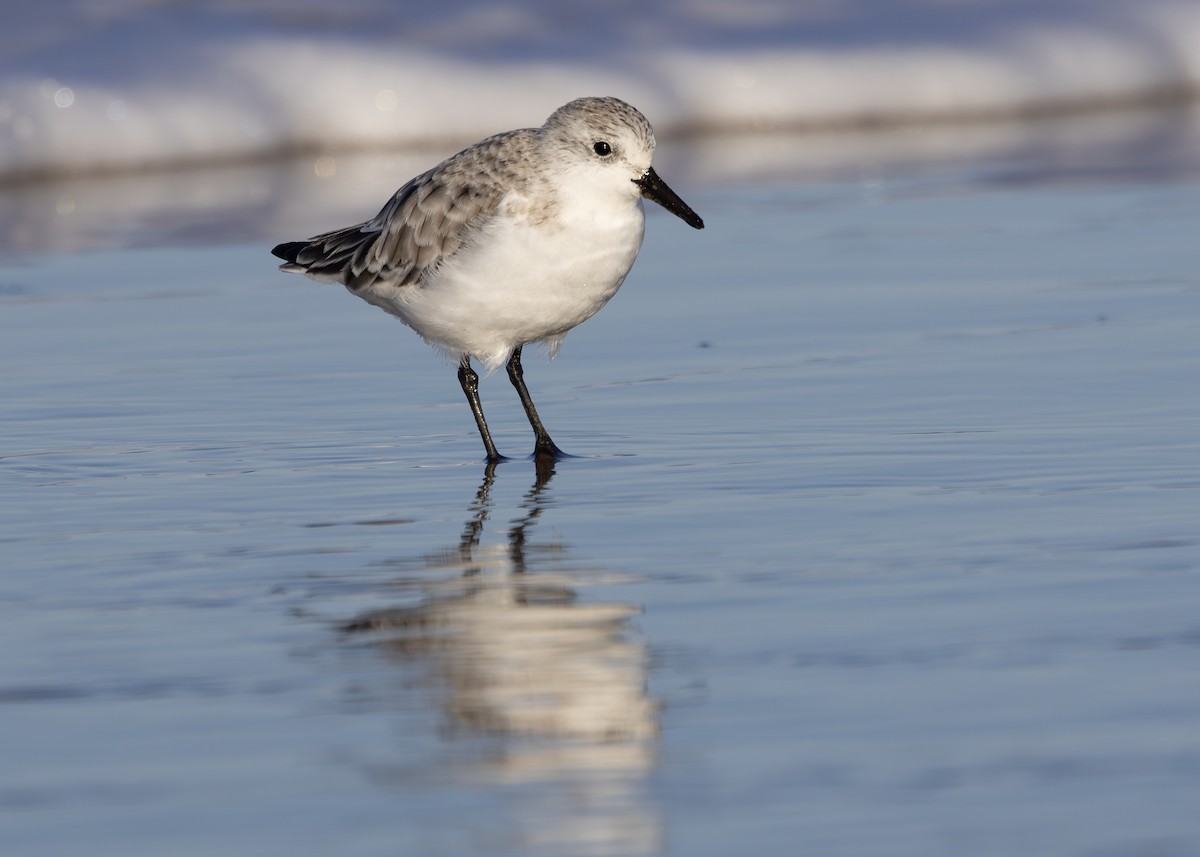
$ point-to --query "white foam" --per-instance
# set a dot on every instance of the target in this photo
(230, 83)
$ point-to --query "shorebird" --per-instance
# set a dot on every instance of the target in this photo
(516, 239)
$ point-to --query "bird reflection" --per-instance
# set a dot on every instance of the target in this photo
(557, 684)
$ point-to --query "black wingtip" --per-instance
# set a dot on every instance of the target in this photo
(289, 250)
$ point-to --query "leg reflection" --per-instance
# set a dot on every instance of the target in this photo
(516, 654)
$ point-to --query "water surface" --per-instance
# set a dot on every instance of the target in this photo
(880, 538)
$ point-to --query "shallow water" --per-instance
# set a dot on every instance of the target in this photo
(881, 538)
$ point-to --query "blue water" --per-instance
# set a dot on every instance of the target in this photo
(880, 538)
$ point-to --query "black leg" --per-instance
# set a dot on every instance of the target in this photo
(543, 447)
(470, 385)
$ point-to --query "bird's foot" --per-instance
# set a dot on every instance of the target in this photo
(545, 448)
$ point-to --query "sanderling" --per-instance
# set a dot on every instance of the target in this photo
(516, 239)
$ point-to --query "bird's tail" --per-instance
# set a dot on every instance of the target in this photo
(290, 251)
(325, 257)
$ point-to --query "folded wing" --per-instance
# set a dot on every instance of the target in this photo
(425, 222)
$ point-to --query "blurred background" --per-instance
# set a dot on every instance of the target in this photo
(97, 88)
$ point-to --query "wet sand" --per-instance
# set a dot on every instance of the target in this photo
(880, 537)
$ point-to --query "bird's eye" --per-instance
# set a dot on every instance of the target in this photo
(602, 149)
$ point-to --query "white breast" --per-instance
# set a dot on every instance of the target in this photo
(523, 279)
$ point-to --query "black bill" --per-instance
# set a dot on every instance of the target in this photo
(655, 189)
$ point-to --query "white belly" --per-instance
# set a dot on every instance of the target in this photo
(518, 283)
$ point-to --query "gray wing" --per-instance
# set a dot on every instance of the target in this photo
(425, 222)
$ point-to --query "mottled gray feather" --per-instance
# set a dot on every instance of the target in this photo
(425, 222)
